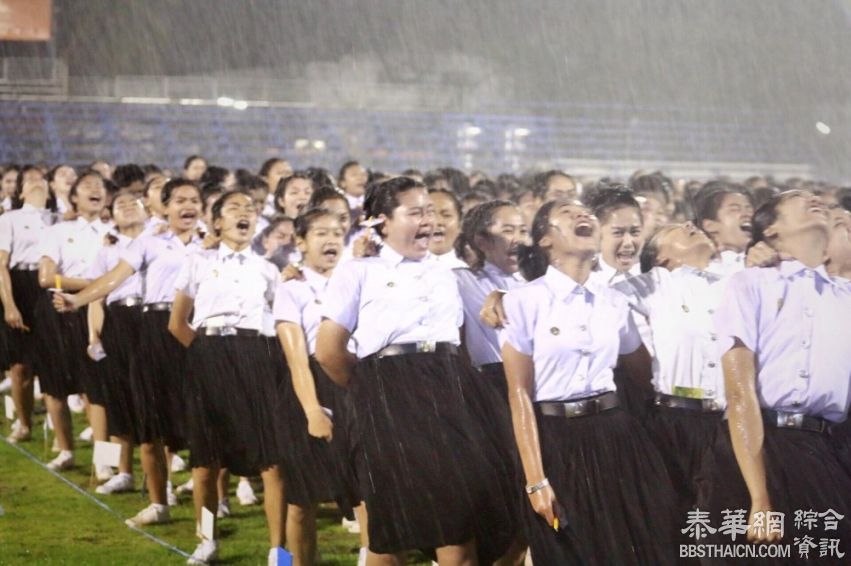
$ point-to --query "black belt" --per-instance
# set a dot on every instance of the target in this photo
(799, 421)
(26, 267)
(158, 307)
(580, 407)
(127, 302)
(417, 348)
(227, 331)
(675, 402)
(490, 368)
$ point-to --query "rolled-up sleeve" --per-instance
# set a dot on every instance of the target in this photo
(342, 296)
(736, 316)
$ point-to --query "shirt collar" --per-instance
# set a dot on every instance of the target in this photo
(729, 257)
(394, 258)
(314, 279)
(563, 287)
(494, 271)
(608, 272)
(28, 206)
(792, 267)
(225, 252)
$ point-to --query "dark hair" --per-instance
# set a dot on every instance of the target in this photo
(10, 167)
(17, 201)
(73, 192)
(319, 176)
(323, 194)
(118, 194)
(766, 215)
(653, 184)
(476, 196)
(649, 257)
(216, 211)
(188, 161)
(384, 197)
(257, 243)
(268, 164)
(843, 195)
(210, 189)
(345, 168)
(541, 181)
(284, 182)
(174, 184)
(51, 174)
(252, 183)
(305, 220)
(485, 186)
(150, 168)
(148, 185)
(707, 201)
(126, 174)
(452, 197)
(412, 172)
(214, 174)
(477, 222)
(533, 259)
(609, 197)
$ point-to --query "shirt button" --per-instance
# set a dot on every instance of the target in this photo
(585, 353)
(423, 323)
(803, 373)
(711, 364)
(809, 273)
(805, 343)
(711, 311)
(808, 311)
(710, 392)
(583, 328)
(713, 337)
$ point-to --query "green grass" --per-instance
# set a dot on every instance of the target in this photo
(47, 522)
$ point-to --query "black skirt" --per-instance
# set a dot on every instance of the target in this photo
(62, 363)
(840, 439)
(617, 501)
(802, 474)
(424, 467)
(317, 471)
(230, 400)
(19, 346)
(682, 437)
(157, 383)
(120, 339)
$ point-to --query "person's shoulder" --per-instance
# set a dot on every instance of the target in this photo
(530, 289)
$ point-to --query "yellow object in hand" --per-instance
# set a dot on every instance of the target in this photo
(57, 281)
(555, 524)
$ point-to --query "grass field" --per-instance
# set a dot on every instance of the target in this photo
(45, 521)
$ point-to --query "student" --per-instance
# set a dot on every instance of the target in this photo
(424, 467)
(352, 179)
(447, 211)
(230, 379)
(566, 334)
(725, 212)
(621, 233)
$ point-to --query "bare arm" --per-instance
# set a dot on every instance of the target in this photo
(95, 316)
(12, 314)
(520, 373)
(178, 322)
(331, 352)
(292, 341)
(47, 277)
(746, 430)
(97, 289)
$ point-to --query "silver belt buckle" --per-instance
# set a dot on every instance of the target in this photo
(790, 420)
(427, 347)
(577, 408)
(709, 404)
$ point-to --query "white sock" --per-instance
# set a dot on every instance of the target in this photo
(159, 506)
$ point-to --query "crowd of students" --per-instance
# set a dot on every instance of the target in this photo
(473, 367)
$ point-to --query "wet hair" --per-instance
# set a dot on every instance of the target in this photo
(126, 174)
(412, 172)
(477, 222)
(188, 161)
(707, 201)
(345, 168)
(119, 193)
(210, 189)
(216, 210)
(323, 194)
(452, 197)
(459, 182)
(653, 184)
(476, 196)
(85, 174)
(252, 183)
(843, 195)
(150, 168)
(10, 167)
(384, 197)
(766, 215)
(257, 243)
(51, 173)
(18, 202)
(268, 164)
(281, 189)
(319, 176)
(148, 185)
(533, 260)
(649, 257)
(173, 184)
(607, 198)
(541, 181)
(214, 174)
(485, 186)
(305, 220)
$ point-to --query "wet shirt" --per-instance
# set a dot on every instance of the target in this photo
(301, 302)
(159, 257)
(679, 306)
(727, 263)
(229, 288)
(480, 339)
(797, 322)
(389, 299)
(107, 258)
(574, 334)
(74, 245)
(450, 259)
(21, 234)
(608, 275)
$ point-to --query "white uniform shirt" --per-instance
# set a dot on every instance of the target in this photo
(450, 259)
(480, 339)
(300, 302)
(573, 333)
(354, 202)
(107, 258)
(608, 275)
(679, 306)
(21, 233)
(229, 288)
(160, 257)
(797, 321)
(389, 299)
(74, 245)
(727, 263)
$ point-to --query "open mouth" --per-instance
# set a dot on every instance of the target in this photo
(438, 235)
(423, 236)
(243, 225)
(331, 253)
(95, 199)
(746, 227)
(188, 215)
(626, 256)
(584, 230)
